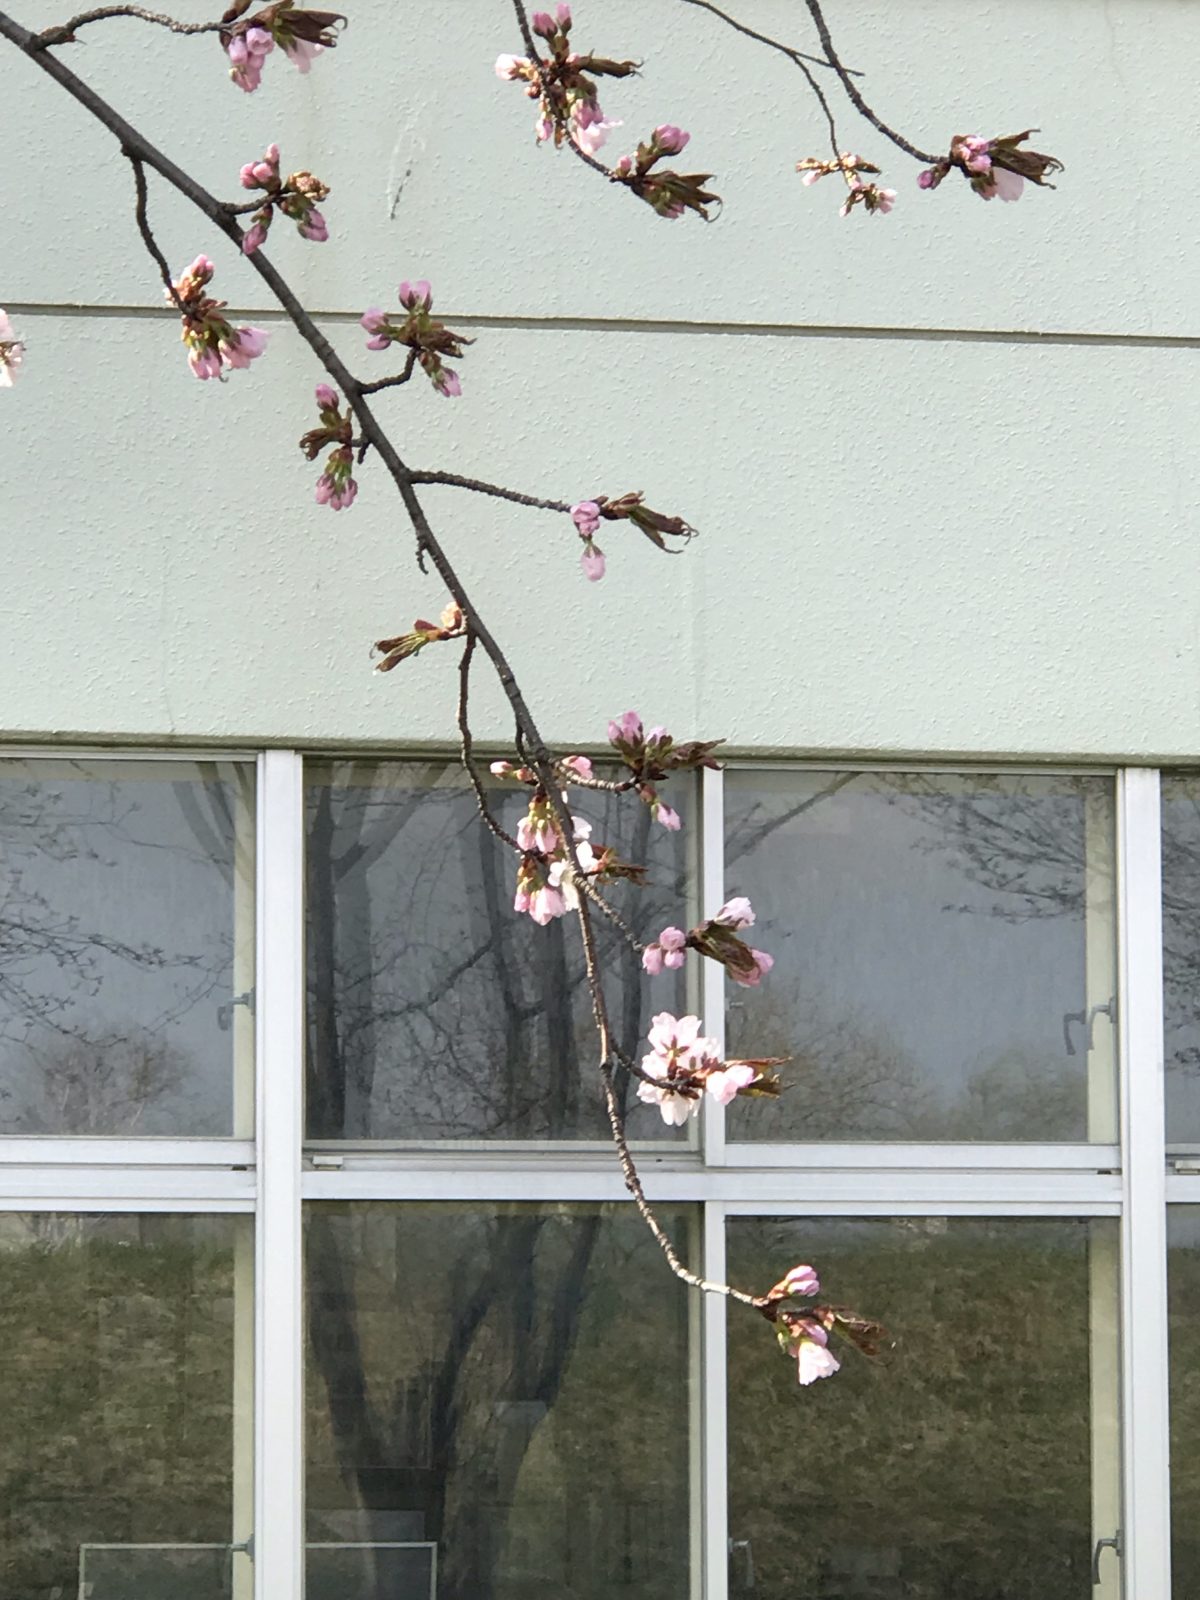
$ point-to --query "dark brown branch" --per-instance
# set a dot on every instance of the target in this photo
(852, 90)
(65, 32)
(455, 481)
(391, 383)
(526, 31)
(143, 222)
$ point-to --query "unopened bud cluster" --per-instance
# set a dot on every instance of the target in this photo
(568, 99)
(996, 169)
(428, 339)
(296, 196)
(869, 196)
(669, 193)
(299, 33)
(213, 345)
(451, 625)
(336, 487)
(651, 755)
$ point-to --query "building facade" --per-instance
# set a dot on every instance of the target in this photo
(317, 1273)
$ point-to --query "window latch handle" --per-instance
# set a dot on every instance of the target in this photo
(1113, 1544)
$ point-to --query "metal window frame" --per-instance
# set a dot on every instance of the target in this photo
(274, 1174)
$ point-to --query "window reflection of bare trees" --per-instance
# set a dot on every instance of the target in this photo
(116, 944)
(434, 1012)
(932, 938)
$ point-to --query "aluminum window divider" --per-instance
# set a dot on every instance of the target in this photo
(105, 1188)
(712, 977)
(279, 1348)
(1145, 1398)
(130, 1154)
(715, 1419)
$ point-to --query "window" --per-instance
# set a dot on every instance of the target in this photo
(312, 1227)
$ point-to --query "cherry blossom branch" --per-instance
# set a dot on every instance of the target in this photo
(455, 480)
(391, 383)
(852, 89)
(65, 32)
(141, 212)
(798, 56)
(633, 1182)
(467, 743)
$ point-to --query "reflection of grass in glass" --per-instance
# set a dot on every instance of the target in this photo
(956, 1469)
(548, 1452)
(115, 1389)
(1184, 1333)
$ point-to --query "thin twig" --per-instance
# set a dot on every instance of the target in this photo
(65, 32)
(391, 383)
(851, 88)
(798, 56)
(456, 481)
(143, 222)
(468, 760)
(583, 882)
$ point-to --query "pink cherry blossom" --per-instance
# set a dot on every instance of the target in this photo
(511, 67)
(586, 517)
(301, 52)
(447, 383)
(413, 295)
(373, 319)
(813, 1360)
(1006, 185)
(327, 397)
(666, 951)
(547, 903)
(674, 1106)
(668, 816)
(253, 238)
(592, 139)
(580, 765)
(12, 352)
(724, 1084)
(736, 913)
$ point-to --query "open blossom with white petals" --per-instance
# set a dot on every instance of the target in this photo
(736, 913)
(813, 1357)
(12, 352)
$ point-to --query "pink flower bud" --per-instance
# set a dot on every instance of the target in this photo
(327, 397)
(542, 22)
(412, 294)
(563, 13)
(253, 238)
(592, 562)
(324, 489)
(669, 818)
(248, 180)
(652, 960)
(448, 383)
(924, 179)
(379, 342)
(259, 41)
(263, 171)
(578, 764)
(670, 139)
(802, 1281)
(373, 320)
(237, 50)
(672, 939)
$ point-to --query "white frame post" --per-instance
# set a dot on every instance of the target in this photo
(1147, 1529)
(279, 1342)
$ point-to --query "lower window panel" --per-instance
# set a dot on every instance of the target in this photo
(977, 1459)
(499, 1403)
(123, 1472)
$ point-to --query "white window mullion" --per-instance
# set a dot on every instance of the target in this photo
(1146, 1533)
(716, 1467)
(279, 1349)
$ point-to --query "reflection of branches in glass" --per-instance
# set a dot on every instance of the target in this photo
(432, 1012)
(113, 948)
(899, 1024)
(1181, 934)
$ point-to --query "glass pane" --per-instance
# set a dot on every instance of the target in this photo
(499, 1394)
(1183, 1290)
(961, 1466)
(123, 1473)
(126, 947)
(944, 954)
(436, 1012)
(1181, 953)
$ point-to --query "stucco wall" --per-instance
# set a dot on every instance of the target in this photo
(942, 461)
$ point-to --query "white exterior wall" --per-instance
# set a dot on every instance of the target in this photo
(942, 462)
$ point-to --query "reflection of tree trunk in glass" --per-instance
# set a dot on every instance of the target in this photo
(326, 1076)
(479, 1405)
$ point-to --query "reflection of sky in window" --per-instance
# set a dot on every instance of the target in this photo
(929, 938)
(117, 945)
(434, 1010)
